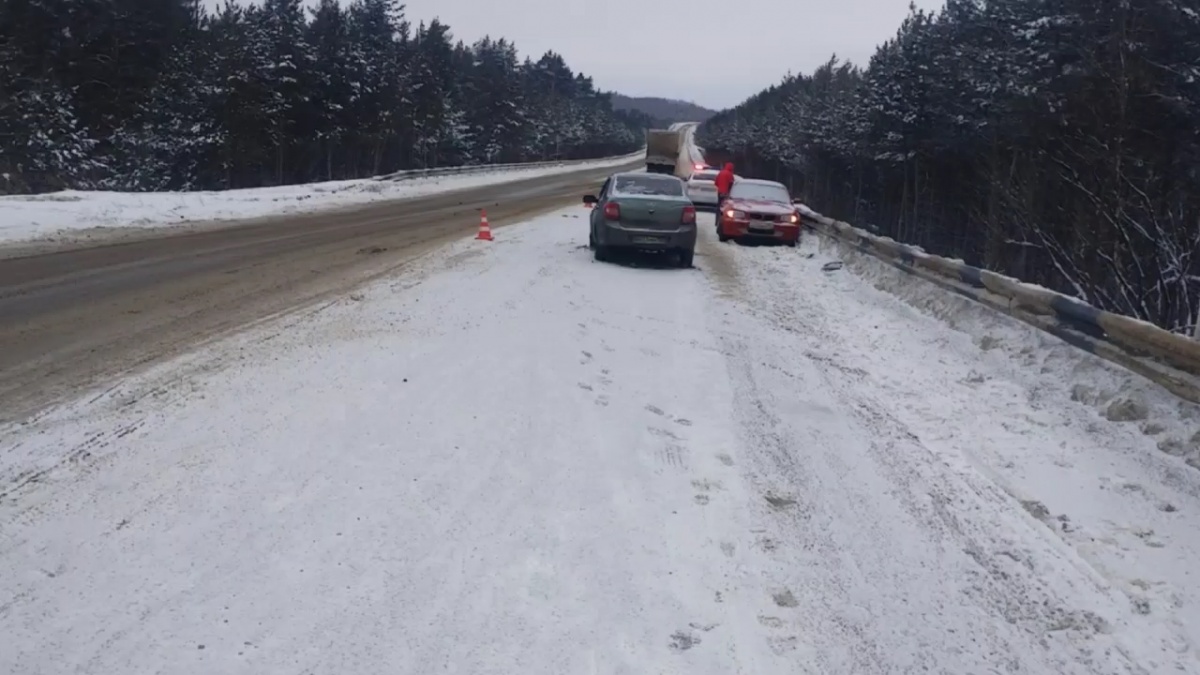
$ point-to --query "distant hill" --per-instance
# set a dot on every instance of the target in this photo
(663, 109)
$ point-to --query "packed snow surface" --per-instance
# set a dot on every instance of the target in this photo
(70, 212)
(513, 459)
(689, 143)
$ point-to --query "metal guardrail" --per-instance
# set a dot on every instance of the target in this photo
(1171, 360)
(480, 168)
(1163, 357)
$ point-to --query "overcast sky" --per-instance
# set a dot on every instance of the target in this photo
(713, 52)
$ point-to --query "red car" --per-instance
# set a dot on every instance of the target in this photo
(759, 210)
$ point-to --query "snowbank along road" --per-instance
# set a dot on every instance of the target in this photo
(509, 458)
(34, 223)
(79, 316)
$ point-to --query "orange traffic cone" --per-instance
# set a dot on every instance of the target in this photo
(485, 230)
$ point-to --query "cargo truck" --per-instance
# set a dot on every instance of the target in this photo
(662, 150)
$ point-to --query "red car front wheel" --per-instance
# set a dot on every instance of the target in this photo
(721, 236)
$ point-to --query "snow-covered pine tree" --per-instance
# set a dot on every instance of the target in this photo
(158, 94)
(1053, 141)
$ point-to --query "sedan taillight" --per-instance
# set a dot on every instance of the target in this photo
(689, 215)
(612, 211)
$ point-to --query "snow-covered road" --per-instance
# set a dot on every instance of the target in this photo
(514, 459)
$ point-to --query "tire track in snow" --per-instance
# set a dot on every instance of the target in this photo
(464, 476)
(1087, 595)
(865, 489)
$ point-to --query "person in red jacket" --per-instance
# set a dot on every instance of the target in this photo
(724, 182)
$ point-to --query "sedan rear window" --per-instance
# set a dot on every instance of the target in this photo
(660, 186)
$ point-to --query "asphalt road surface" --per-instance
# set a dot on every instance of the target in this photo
(76, 318)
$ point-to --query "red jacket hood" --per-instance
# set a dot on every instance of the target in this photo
(724, 180)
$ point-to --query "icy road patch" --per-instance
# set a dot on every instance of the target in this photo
(514, 459)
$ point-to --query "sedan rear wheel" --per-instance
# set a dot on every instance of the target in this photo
(686, 257)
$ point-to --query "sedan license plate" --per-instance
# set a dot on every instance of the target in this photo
(763, 227)
(649, 240)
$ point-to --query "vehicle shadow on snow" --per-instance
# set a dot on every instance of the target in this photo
(635, 259)
(757, 243)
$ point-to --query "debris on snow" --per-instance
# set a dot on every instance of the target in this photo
(682, 641)
(784, 598)
(1126, 410)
